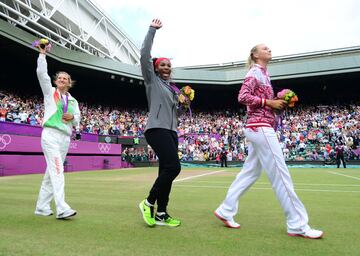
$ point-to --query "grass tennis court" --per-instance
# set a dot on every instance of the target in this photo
(109, 221)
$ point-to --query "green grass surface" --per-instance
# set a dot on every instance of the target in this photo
(109, 221)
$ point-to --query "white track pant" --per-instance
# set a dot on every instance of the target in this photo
(55, 145)
(265, 154)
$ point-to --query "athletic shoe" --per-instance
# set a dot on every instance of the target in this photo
(166, 220)
(310, 233)
(147, 213)
(67, 214)
(43, 212)
(228, 223)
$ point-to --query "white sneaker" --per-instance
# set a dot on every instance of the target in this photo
(310, 233)
(229, 223)
(43, 212)
(67, 214)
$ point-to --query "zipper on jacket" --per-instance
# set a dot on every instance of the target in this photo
(172, 111)
(172, 116)
(157, 116)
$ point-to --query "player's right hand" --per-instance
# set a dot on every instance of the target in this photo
(276, 104)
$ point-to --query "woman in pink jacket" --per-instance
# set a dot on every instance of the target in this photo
(264, 150)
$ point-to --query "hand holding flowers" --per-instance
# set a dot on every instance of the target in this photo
(289, 96)
(43, 44)
(186, 95)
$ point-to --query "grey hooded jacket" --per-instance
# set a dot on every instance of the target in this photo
(162, 101)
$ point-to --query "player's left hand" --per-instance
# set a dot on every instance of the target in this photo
(156, 23)
(67, 117)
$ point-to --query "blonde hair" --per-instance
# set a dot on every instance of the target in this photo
(71, 82)
(251, 60)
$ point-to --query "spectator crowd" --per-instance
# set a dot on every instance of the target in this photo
(305, 132)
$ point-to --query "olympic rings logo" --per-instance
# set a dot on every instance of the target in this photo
(5, 140)
(104, 147)
(73, 145)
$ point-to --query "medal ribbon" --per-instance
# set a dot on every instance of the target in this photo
(65, 103)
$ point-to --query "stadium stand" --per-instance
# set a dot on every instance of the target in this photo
(112, 96)
(306, 133)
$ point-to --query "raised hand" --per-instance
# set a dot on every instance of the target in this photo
(43, 45)
(156, 23)
(42, 50)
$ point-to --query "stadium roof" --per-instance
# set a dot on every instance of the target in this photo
(329, 62)
(73, 24)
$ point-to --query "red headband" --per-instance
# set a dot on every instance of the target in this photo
(158, 60)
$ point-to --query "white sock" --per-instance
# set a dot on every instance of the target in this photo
(148, 204)
(160, 213)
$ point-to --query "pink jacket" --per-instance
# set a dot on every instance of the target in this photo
(253, 93)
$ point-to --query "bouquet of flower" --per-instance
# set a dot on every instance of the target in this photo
(42, 43)
(289, 96)
(186, 95)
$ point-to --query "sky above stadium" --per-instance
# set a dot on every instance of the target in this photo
(199, 32)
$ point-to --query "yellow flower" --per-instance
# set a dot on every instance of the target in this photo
(43, 41)
(192, 94)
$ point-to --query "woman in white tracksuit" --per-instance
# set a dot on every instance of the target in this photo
(264, 150)
(61, 114)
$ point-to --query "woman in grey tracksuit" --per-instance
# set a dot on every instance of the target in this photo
(160, 131)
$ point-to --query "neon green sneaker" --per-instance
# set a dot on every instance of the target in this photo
(147, 213)
(166, 220)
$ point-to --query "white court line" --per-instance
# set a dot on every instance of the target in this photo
(296, 184)
(196, 176)
(348, 176)
(306, 190)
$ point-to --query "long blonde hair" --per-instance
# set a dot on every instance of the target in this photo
(251, 60)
